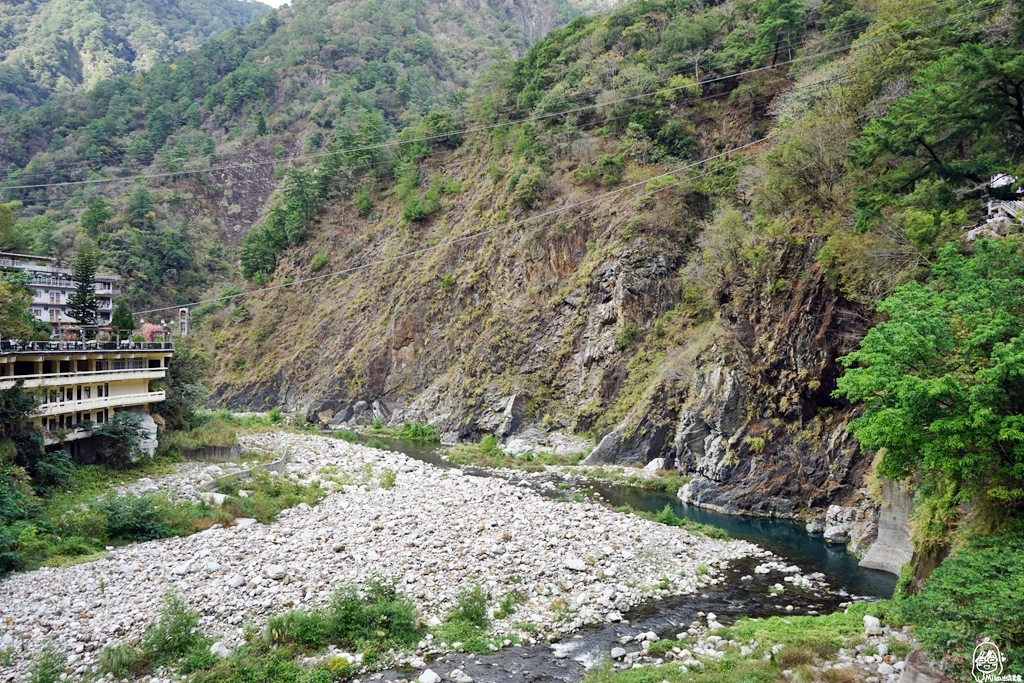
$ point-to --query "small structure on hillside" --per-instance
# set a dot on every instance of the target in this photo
(1004, 206)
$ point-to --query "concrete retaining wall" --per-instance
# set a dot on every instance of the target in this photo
(214, 453)
(893, 548)
(278, 466)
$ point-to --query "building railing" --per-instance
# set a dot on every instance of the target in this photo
(12, 263)
(55, 346)
(68, 283)
(79, 377)
(87, 404)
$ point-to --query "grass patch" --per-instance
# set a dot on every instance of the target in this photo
(728, 670)
(219, 428)
(668, 517)
(48, 664)
(76, 526)
(467, 623)
(822, 635)
(806, 639)
(373, 622)
(345, 435)
(509, 603)
(665, 481)
(416, 431)
(269, 495)
(173, 640)
(488, 453)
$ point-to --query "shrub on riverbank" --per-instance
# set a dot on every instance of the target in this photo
(218, 428)
(467, 623)
(488, 453)
(77, 525)
(418, 432)
(174, 639)
(977, 592)
(806, 640)
(664, 481)
(371, 621)
(668, 517)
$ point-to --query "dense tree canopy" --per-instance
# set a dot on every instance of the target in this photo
(962, 124)
(942, 380)
(47, 43)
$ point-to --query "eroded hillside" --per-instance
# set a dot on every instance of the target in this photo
(549, 274)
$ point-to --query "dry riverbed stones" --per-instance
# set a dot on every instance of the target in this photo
(435, 532)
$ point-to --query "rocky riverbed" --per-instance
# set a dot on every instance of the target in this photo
(434, 531)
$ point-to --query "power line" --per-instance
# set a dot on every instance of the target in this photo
(576, 94)
(490, 126)
(466, 238)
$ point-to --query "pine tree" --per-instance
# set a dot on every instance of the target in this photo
(261, 125)
(83, 305)
(778, 22)
(122, 321)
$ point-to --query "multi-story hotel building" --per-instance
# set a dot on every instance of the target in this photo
(54, 285)
(80, 382)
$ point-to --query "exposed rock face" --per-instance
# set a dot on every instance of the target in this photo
(855, 525)
(554, 334)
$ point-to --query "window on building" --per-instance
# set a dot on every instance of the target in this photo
(54, 316)
(88, 392)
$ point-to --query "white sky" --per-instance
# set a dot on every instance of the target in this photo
(275, 3)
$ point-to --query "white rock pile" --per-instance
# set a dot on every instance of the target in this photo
(434, 531)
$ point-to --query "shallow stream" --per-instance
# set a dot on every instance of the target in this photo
(729, 600)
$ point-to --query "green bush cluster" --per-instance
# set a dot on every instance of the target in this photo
(667, 516)
(978, 592)
(80, 524)
(173, 640)
(417, 431)
(372, 620)
(468, 622)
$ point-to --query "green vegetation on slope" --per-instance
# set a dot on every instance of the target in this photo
(976, 593)
(941, 379)
(49, 46)
(293, 82)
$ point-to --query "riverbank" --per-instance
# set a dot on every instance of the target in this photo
(435, 532)
(647, 491)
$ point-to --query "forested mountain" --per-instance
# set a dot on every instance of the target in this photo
(660, 226)
(750, 238)
(548, 272)
(49, 46)
(288, 85)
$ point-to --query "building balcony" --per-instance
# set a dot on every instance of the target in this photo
(90, 404)
(61, 379)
